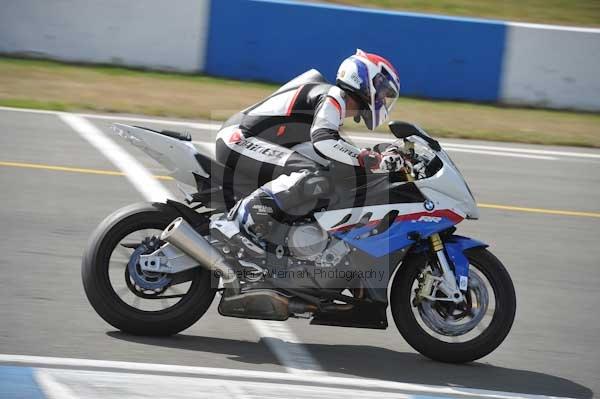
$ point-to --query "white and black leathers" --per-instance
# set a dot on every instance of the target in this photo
(257, 142)
(306, 109)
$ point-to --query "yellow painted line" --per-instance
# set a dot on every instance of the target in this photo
(540, 210)
(115, 173)
(70, 169)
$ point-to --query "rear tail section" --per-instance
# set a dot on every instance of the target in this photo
(172, 150)
(186, 164)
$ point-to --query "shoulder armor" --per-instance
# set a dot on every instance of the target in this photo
(340, 96)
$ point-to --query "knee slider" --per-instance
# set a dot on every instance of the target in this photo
(315, 187)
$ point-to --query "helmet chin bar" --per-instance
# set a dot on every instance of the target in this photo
(364, 111)
(367, 116)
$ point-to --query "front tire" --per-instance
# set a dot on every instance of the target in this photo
(432, 345)
(103, 296)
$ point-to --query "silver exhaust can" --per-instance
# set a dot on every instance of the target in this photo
(180, 234)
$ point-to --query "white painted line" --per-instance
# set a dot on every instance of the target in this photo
(141, 179)
(152, 190)
(97, 384)
(475, 149)
(30, 111)
(502, 154)
(522, 150)
(353, 135)
(195, 125)
(117, 117)
(210, 147)
(286, 346)
(258, 375)
(51, 388)
(446, 145)
(236, 391)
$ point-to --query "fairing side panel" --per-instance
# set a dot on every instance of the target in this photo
(441, 200)
(449, 183)
(359, 226)
(330, 220)
(396, 237)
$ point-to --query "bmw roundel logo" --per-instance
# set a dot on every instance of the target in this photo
(429, 205)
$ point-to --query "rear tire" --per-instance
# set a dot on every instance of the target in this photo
(105, 300)
(426, 344)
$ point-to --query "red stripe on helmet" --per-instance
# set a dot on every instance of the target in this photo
(376, 59)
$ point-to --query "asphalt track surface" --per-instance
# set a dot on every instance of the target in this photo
(47, 215)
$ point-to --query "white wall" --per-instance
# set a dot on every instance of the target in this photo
(552, 66)
(158, 34)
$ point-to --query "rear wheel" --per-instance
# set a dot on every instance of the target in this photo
(129, 298)
(453, 333)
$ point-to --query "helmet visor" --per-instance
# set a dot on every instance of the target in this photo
(385, 96)
(386, 93)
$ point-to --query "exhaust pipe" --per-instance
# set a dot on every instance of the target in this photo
(180, 234)
(263, 304)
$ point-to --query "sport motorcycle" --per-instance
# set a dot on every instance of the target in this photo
(364, 244)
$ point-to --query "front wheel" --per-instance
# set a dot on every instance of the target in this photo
(455, 333)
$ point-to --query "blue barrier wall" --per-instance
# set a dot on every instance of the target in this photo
(436, 56)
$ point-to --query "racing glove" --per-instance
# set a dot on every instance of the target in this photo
(388, 161)
(369, 159)
(391, 160)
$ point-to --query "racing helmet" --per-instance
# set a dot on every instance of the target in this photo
(374, 82)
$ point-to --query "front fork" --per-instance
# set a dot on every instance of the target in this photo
(447, 282)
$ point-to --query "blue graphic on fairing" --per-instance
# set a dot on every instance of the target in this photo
(396, 237)
(393, 239)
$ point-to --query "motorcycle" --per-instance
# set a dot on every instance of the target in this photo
(383, 240)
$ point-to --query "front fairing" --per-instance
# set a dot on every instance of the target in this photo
(363, 206)
(449, 186)
(358, 214)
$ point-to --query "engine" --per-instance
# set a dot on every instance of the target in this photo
(307, 243)
(310, 242)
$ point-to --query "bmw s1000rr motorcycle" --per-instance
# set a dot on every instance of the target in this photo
(384, 239)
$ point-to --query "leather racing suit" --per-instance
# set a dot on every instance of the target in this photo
(268, 142)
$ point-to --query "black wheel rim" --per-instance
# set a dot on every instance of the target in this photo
(124, 286)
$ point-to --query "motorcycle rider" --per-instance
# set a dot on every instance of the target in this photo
(257, 142)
